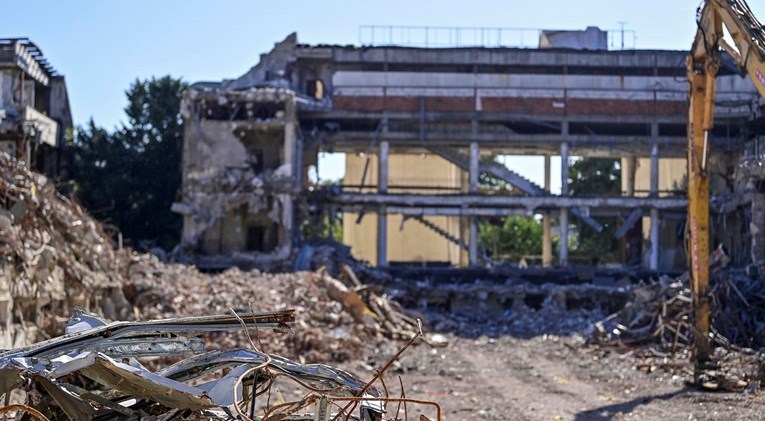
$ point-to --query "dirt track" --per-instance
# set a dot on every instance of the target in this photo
(554, 378)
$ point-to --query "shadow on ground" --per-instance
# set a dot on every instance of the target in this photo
(608, 412)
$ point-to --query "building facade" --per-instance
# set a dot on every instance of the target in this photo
(417, 123)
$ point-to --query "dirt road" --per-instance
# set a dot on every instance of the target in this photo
(555, 378)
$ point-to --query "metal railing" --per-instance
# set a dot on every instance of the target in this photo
(460, 37)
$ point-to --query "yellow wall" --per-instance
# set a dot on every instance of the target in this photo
(415, 243)
(671, 175)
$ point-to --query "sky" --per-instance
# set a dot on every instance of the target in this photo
(102, 46)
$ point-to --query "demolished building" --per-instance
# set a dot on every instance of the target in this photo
(414, 124)
(35, 118)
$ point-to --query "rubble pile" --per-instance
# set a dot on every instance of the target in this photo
(512, 307)
(337, 318)
(55, 258)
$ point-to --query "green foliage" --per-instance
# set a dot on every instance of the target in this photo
(320, 228)
(599, 176)
(596, 176)
(131, 177)
(512, 237)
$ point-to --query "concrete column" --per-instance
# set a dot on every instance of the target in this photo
(382, 215)
(628, 171)
(653, 263)
(757, 228)
(475, 155)
(655, 170)
(547, 223)
(289, 234)
(563, 253)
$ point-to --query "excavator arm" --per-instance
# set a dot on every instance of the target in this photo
(748, 50)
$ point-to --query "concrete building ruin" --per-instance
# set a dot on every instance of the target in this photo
(414, 124)
(35, 117)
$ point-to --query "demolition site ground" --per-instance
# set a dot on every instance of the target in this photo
(495, 345)
(549, 377)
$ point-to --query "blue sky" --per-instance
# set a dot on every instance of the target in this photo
(102, 46)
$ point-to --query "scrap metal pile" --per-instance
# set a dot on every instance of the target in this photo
(657, 327)
(97, 371)
(661, 314)
(55, 258)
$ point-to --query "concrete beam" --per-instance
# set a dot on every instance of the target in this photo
(529, 203)
(616, 146)
(490, 56)
(491, 117)
(677, 214)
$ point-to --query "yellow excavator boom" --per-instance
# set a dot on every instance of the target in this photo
(745, 42)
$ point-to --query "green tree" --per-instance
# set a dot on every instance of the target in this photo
(131, 177)
(513, 237)
(596, 176)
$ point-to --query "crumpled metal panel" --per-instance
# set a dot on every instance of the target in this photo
(75, 407)
(319, 376)
(147, 385)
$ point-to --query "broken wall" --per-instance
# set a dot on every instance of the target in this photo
(238, 182)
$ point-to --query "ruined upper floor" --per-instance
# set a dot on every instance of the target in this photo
(34, 105)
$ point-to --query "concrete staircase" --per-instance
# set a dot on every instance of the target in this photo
(501, 172)
(438, 230)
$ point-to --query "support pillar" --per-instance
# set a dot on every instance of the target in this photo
(289, 234)
(563, 253)
(628, 171)
(757, 228)
(382, 215)
(475, 154)
(653, 262)
(547, 223)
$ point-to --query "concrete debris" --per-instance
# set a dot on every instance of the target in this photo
(338, 318)
(55, 258)
(508, 308)
(98, 372)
